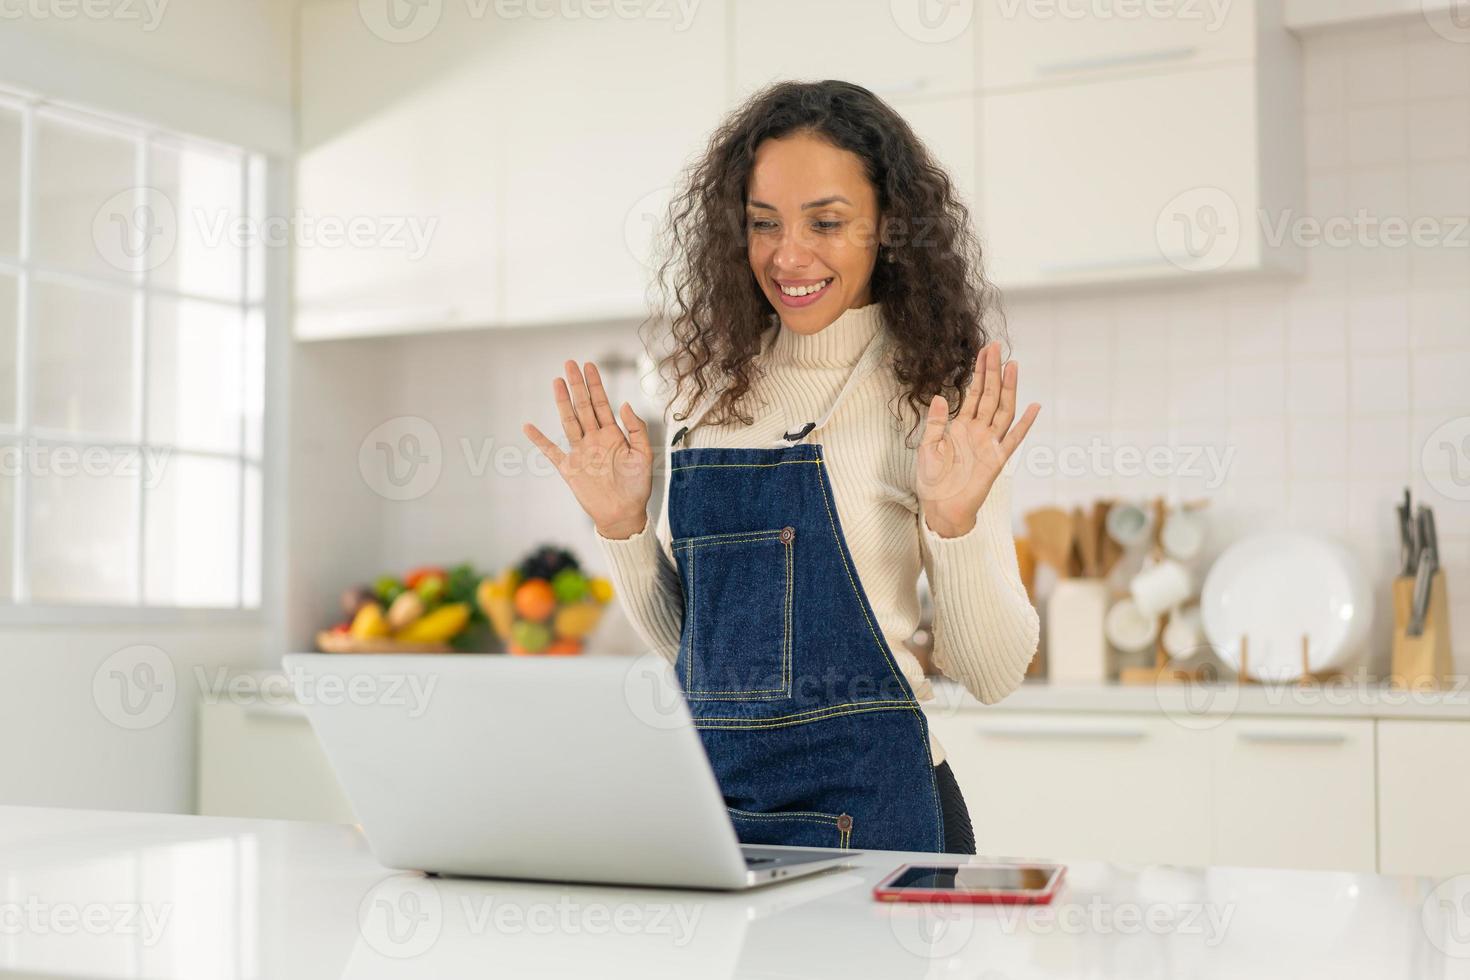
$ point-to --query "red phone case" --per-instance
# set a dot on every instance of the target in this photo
(883, 893)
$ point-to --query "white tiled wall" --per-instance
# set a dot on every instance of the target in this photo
(1325, 388)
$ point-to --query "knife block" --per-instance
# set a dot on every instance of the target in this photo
(1421, 661)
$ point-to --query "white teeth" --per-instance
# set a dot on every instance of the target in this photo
(805, 290)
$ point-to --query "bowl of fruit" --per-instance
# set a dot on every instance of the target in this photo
(426, 611)
(545, 604)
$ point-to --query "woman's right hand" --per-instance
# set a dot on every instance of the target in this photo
(611, 474)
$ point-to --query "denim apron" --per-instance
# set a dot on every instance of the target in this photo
(814, 734)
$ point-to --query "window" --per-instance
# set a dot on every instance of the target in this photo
(132, 363)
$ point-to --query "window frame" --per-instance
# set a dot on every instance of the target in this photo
(258, 300)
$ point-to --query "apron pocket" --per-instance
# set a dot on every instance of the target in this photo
(736, 642)
(797, 828)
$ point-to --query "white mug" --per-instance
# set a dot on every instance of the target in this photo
(1129, 523)
(1184, 634)
(1183, 534)
(1128, 629)
(1161, 587)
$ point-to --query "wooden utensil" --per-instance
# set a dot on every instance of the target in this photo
(1087, 543)
(1051, 532)
(1109, 552)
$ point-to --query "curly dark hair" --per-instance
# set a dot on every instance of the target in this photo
(938, 307)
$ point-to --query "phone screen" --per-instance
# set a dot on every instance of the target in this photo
(988, 878)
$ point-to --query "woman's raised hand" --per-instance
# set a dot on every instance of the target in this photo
(957, 468)
(611, 474)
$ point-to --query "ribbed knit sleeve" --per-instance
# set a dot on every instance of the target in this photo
(985, 628)
(647, 584)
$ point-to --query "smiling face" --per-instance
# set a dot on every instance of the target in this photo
(811, 229)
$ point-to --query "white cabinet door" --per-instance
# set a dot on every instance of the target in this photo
(947, 128)
(896, 48)
(265, 761)
(1294, 793)
(1423, 799)
(603, 116)
(397, 179)
(1040, 43)
(1112, 787)
(1129, 179)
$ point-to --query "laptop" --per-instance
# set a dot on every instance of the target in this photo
(583, 768)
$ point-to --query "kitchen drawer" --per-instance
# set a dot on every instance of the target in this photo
(260, 760)
(1294, 793)
(1039, 44)
(1423, 798)
(1113, 787)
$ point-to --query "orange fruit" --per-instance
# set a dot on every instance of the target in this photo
(535, 600)
(564, 647)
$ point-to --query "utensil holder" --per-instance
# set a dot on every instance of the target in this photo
(1421, 661)
(1076, 651)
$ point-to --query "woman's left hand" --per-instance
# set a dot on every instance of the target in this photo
(958, 467)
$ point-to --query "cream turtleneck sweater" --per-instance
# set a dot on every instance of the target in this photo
(985, 629)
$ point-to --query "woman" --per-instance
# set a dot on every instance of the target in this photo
(814, 335)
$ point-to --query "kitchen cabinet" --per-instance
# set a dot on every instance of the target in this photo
(1119, 788)
(918, 57)
(1293, 793)
(899, 51)
(398, 208)
(489, 181)
(1154, 177)
(264, 760)
(1423, 798)
(1029, 44)
(590, 167)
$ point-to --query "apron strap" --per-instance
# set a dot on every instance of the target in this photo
(869, 360)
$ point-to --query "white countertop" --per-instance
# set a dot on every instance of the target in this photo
(99, 894)
(1342, 698)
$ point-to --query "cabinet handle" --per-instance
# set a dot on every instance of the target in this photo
(1153, 56)
(1292, 738)
(274, 712)
(1111, 734)
(909, 87)
(1107, 265)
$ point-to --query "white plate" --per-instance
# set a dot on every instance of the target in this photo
(1274, 588)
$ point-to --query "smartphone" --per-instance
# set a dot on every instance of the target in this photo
(1031, 884)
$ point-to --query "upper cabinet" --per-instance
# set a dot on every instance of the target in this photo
(918, 56)
(468, 165)
(492, 170)
(603, 116)
(900, 50)
(1048, 43)
(1124, 150)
